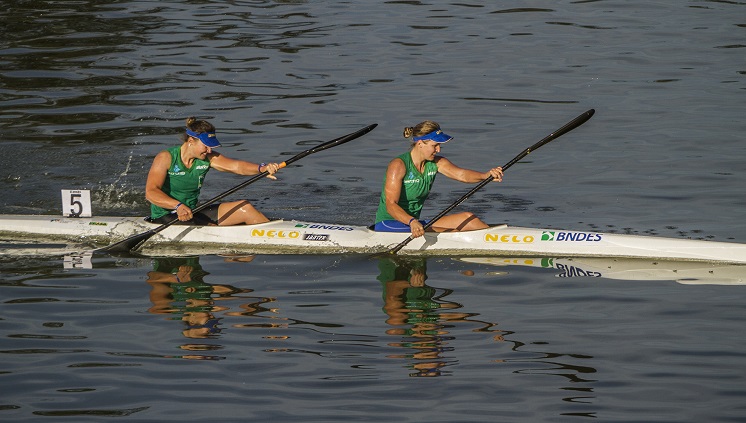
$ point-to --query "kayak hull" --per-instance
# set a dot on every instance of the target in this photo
(294, 236)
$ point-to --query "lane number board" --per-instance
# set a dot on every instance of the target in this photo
(76, 203)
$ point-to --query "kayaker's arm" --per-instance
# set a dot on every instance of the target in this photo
(450, 170)
(241, 167)
(156, 178)
(394, 177)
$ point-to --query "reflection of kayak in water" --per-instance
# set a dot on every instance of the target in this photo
(293, 236)
(685, 272)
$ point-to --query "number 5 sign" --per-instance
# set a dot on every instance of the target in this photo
(76, 203)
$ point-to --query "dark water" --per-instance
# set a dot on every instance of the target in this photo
(91, 90)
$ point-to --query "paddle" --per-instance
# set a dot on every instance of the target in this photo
(134, 242)
(554, 135)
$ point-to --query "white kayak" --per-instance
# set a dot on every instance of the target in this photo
(295, 236)
(683, 272)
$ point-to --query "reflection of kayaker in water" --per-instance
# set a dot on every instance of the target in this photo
(178, 289)
(404, 289)
(420, 315)
(413, 312)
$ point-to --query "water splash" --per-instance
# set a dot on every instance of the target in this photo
(119, 197)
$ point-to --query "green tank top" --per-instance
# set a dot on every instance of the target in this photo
(415, 189)
(181, 183)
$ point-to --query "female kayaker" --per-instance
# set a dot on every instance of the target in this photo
(176, 176)
(410, 177)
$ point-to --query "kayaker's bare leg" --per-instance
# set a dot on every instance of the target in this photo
(238, 213)
(465, 221)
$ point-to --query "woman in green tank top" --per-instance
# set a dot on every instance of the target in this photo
(410, 177)
(176, 176)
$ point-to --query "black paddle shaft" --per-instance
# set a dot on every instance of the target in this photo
(554, 135)
(134, 242)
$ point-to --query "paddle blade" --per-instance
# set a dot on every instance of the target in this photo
(400, 246)
(333, 143)
(126, 245)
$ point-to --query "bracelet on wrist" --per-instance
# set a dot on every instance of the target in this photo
(261, 166)
(177, 206)
(411, 220)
